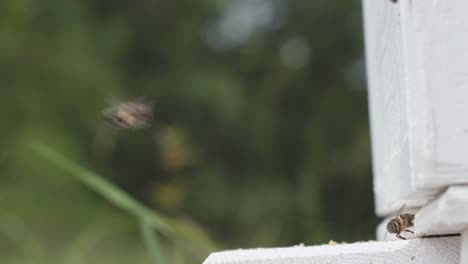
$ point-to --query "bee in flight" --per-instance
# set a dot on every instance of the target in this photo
(129, 115)
(400, 223)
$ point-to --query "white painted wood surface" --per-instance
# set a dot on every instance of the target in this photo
(387, 102)
(446, 214)
(464, 247)
(434, 250)
(417, 63)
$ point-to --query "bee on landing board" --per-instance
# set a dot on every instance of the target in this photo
(400, 223)
(129, 115)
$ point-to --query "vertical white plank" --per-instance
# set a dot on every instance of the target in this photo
(437, 68)
(417, 63)
(464, 247)
(387, 102)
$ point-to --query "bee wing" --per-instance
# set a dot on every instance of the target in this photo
(148, 103)
(401, 209)
(130, 114)
(385, 236)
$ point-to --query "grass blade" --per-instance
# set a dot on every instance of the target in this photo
(123, 200)
(151, 241)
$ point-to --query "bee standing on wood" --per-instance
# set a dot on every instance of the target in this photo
(132, 114)
(400, 223)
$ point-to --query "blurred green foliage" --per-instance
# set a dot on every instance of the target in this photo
(261, 134)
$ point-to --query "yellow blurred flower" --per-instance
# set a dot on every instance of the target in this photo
(174, 151)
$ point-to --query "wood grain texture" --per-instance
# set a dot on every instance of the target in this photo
(417, 64)
(435, 250)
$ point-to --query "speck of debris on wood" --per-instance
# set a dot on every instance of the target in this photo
(332, 242)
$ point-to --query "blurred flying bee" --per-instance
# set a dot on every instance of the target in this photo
(129, 115)
(400, 223)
